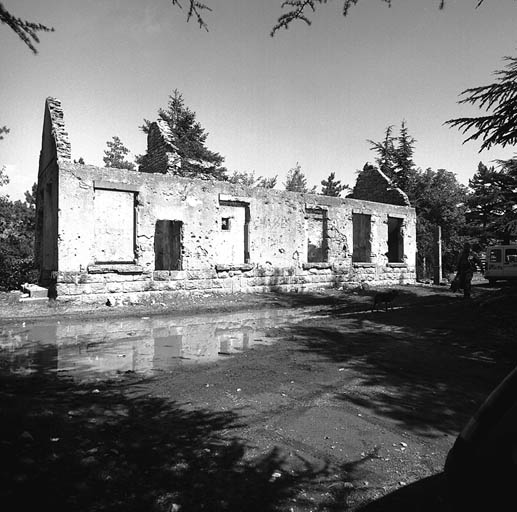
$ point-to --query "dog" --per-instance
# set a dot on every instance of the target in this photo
(384, 297)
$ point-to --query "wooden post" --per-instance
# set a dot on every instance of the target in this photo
(437, 247)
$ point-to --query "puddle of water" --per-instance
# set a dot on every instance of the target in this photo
(100, 348)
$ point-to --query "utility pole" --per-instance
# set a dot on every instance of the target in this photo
(437, 249)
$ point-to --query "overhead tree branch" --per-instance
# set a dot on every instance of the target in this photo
(301, 9)
(195, 9)
(499, 99)
(27, 31)
(3, 129)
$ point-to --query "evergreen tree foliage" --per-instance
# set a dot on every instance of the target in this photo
(81, 161)
(195, 10)
(403, 158)
(3, 129)
(267, 182)
(297, 10)
(27, 31)
(30, 196)
(189, 137)
(332, 187)
(508, 215)
(115, 155)
(386, 153)
(486, 203)
(248, 179)
(296, 180)
(4, 179)
(439, 200)
(395, 157)
(17, 225)
(499, 100)
(492, 204)
(300, 10)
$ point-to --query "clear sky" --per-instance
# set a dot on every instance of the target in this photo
(312, 95)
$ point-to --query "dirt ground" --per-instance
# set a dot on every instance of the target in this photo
(340, 408)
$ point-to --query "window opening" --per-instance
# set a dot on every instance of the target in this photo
(225, 224)
(114, 226)
(233, 246)
(395, 240)
(362, 245)
(167, 244)
(317, 245)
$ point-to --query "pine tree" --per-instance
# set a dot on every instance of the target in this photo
(484, 202)
(296, 180)
(267, 182)
(500, 98)
(492, 204)
(508, 219)
(248, 179)
(403, 159)
(386, 154)
(189, 137)
(332, 187)
(395, 158)
(115, 154)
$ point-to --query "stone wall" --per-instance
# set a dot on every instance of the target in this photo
(133, 236)
(55, 148)
(161, 156)
(273, 231)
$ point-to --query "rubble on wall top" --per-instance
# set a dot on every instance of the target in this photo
(63, 147)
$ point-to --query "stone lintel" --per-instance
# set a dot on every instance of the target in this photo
(315, 206)
(227, 198)
(115, 185)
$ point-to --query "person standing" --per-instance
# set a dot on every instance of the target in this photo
(467, 265)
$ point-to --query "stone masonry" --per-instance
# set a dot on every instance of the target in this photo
(141, 236)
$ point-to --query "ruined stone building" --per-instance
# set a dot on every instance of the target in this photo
(127, 235)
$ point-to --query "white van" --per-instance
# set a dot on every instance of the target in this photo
(501, 263)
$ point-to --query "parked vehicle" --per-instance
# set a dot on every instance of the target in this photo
(501, 263)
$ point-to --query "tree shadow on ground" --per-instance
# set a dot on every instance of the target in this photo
(357, 299)
(425, 495)
(107, 447)
(428, 366)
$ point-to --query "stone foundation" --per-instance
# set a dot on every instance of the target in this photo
(158, 285)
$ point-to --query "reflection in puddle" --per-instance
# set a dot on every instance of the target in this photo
(93, 347)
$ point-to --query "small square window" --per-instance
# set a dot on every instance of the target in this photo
(225, 224)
